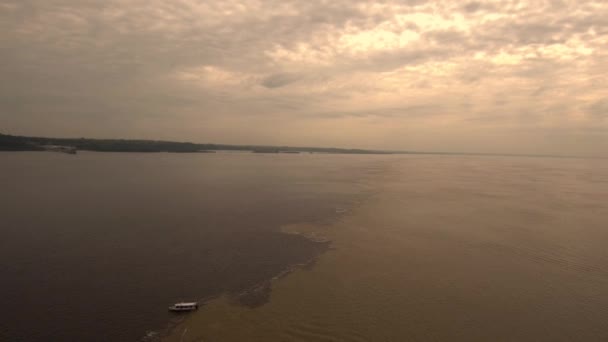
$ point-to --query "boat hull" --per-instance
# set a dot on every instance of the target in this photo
(183, 307)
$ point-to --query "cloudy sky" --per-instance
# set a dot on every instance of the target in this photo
(438, 75)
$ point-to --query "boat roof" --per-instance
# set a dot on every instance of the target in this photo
(186, 303)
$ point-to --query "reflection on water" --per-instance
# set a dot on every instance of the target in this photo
(447, 249)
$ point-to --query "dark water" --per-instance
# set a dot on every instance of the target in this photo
(94, 247)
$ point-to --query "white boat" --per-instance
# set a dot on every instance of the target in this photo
(182, 307)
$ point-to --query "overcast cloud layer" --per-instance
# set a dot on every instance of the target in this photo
(491, 76)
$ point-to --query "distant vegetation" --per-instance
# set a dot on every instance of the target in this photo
(20, 143)
(12, 143)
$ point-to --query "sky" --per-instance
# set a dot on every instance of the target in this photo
(500, 76)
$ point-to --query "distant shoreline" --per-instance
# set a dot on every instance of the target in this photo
(13, 143)
(23, 143)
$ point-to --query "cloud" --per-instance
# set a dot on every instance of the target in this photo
(599, 109)
(279, 80)
(471, 7)
(184, 69)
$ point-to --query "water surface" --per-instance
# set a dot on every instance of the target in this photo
(448, 248)
(96, 246)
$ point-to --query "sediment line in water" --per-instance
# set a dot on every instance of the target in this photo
(260, 293)
(252, 297)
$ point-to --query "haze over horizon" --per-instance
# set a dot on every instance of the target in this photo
(527, 77)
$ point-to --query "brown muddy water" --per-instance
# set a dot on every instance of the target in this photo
(96, 246)
(445, 248)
